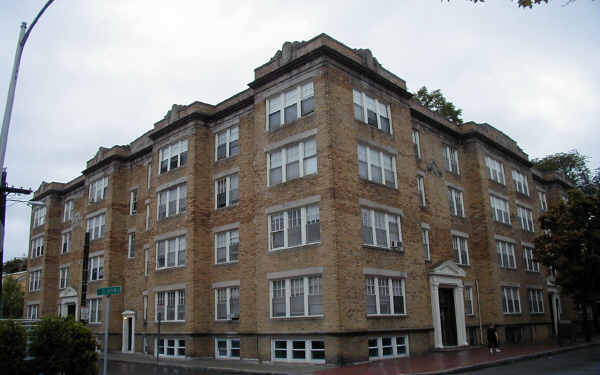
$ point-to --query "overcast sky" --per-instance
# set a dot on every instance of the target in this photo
(101, 72)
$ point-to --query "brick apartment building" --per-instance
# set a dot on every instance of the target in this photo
(321, 215)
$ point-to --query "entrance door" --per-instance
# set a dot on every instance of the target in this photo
(129, 335)
(71, 310)
(447, 317)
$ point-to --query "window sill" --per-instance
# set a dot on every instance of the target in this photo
(169, 268)
(227, 207)
(309, 317)
(131, 258)
(286, 125)
(497, 183)
(375, 247)
(387, 316)
(167, 218)
(377, 183)
(294, 180)
(507, 225)
(229, 158)
(463, 265)
(161, 174)
(226, 263)
(299, 247)
(369, 126)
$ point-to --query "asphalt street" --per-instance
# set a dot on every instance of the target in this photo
(577, 362)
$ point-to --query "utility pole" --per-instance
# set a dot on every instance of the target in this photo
(4, 191)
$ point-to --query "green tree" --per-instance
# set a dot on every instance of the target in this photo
(64, 346)
(436, 102)
(13, 343)
(12, 298)
(572, 165)
(15, 265)
(570, 244)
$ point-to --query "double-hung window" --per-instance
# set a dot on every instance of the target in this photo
(227, 305)
(421, 190)
(173, 156)
(68, 212)
(95, 310)
(506, 254)
(227, 348)
(298, 350)
(385, 296)
(39, 216)
(294, 227)
(511, 302)
(542, 200)
(66, 242)
(97, 191)
(495, 170)
(172, 201)
(133, 202)
(33, 311)
(227, 143)
(416, 143)
(37, 247)
(227, 246)
(456, 202)
(96, 226)
(461, 249)
(536, 301)
(63, 280)
(96, 264)
(381, 229)
(376, 166)
(500, 209)
(530, 264)
(388, 347)
(171, 347)
(35, 279)
(227, 191)
(526, 217)
(425, 241)
(451, 159)
(131, 245)
(372, 111)
(170, 305)
(170, 252)
(296, 297)
(292, 161)
(289, 105)
(469, 300)
(520, 181)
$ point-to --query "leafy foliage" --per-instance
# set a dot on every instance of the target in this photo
(15, 265)
(13, 343)
(64, 346)
(12, 298)
(572, 165)
(436, 102)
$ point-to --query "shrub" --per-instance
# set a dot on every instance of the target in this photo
(13, 343)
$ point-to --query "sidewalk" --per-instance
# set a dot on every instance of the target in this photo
(427, 363)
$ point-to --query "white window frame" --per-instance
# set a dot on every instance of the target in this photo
(530, 264)
(226, 180)
(306, 290)
(180, 201)
(388, 220)
(460, 245)
(95, 310)
(145, 307)
(35, 281)
(376, 162)
(176, 347)
(65, 246)
(510, 293)
(229, 347)
(98, 190)
(416, 139)
(304, 91)
(96, 226)
(68, 212)
(506, 254)
(64, 276)
(394, 343)
(164, 154)
(536, 300)
(451, 159)
(230, 135)
(542, 200)
(456, 200)
(149, 177)
(147, 223)
(421, 190)
(37, 247)
(179, 294)
(33, 311)
(131, 245)
(303, 157)
(179, 250)
(426, 243)
(500, 209)
(469, 307)
(495, 170)
(520, 182)
(377, 283)
(381, 109)
(525, 216)
(308, 350)
(146, 261)
(229, 293)
(39, 216)
(230, 236)
(96, 263)
(133, 202)
(308, 215)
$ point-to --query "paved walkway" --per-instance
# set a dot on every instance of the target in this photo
(428, 363)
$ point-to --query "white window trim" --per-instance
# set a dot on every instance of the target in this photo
(229, 343)
(68, 210)
(514, 291)
(228, 293)
(38, 245)
(177, 296)
(530, 264)
(98, 190)
(460, 261)
(387, 217)
(421, 190)
(183, 147)
(508, 248)
(35, 280)
(496, 203)
(66, 238)
(39, 217)
(164, 339)
(535, 298)
(131, 245)
(542, 201)
(284, 156)
(97, 267)
(394, 342)
(450, 153)
(96, 221)
(416, 139)
(377, 108)
(381, 154)
(228, 244)
(133, 202)
(227, 191)
(493, 165)
(457, 196)
(520, 182)
(64, 271)
(283, 104)
(176, 189)
(289, 350)
(288, 295)
(178, 240)
(390, 295)
(98, 313)
(526, 220)
(286, 227)
(468, 290)
(426, 243)
(227, 142)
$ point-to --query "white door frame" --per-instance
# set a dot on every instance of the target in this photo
(128, 314)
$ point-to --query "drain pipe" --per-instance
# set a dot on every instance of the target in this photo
(479, 312)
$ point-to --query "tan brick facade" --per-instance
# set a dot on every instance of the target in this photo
(330, 273)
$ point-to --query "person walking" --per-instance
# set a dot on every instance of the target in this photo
(492, 338)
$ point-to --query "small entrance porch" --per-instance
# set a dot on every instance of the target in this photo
(67, 303)
(128, 343)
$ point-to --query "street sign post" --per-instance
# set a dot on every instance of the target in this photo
(112, 290)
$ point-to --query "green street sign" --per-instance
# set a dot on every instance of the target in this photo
(108, 291)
